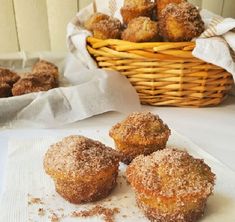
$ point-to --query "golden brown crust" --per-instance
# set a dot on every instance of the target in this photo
(107, 29)
(182, 22)
(95, 18)
(141, 29)
(171, 185)
(5, 90)
(34, 83)
(133, 9)
(161, 4)
(43, 66)
(139, 133)
(8, 77)
(84, 170)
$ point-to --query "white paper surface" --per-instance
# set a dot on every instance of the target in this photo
(82, 93)
(25, 175)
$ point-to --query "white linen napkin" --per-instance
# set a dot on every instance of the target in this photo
(26, 180)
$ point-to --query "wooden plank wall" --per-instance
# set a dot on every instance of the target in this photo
(40, 25)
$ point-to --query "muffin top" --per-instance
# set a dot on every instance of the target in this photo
(77, 156)
(95, 18)
(141, 127)
(137, 3)
(7, 76)
(171, 172)
(141, 29)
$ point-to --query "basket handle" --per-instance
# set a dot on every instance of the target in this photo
(94, 6)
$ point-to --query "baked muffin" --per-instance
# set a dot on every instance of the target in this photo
(170, 185)
(161, 4)
(141, 29)
(140, 133)
(8, 77)
(5, 90)
(95, 18)
(43, 66)
(136, 8)
(35, 82)
(107, 29)
(179, 23)
(83, 170)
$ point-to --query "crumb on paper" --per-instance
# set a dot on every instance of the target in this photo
(34, 200)
(41, 212)
(54, 218)
(107, 213)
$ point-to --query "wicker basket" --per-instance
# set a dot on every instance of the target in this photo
(164, 73)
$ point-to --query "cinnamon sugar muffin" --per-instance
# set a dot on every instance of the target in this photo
(136, 8)
(107, 29)
(171, 185)
(161, 4)
(43, 66)
(5, 90)
(140, 133)
(180, 22)
(141, 29)
(34, 83)
(8, 77)
(83, 170)
(95, 18)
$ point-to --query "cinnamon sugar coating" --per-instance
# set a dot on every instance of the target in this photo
(43, 66)
(171, 185)
(180, 22)
(140, 133)
(5, 90)
(133, 9)
(8, 77)
(35, 82)
(141, 29)
(95, 18)
(161, 4)
(83, 170)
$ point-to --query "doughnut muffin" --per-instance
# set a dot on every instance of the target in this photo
(180, 22)
(5, 90)
(141, 29)
(43, 66)
(95, 18)
(83, 170)
(8, 77)
(35, 82)
(136, 8)
(161, 4)
(170, 185)
(140, 133)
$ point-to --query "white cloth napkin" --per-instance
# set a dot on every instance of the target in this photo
(216, 45)
(25, 176)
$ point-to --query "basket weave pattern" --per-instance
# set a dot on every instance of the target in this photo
(164, 73)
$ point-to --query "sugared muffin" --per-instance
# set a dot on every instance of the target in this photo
(170, 185)
(136, 8)
(83, 170)
(140, 133)
(8, 77)
(141, 29)
(35, 82)
(95, 18)
(180, 22)
(161, 4)
(107, 29)
(43, 66)
(5, 90)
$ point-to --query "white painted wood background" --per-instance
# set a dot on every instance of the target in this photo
(40, 25)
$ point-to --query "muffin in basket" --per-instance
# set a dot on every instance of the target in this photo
(141, 29)
(8, 77)
(180, 22)
(140, 133)
(83, 170)
(170, 185)
(5, 90)
(136, 8)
